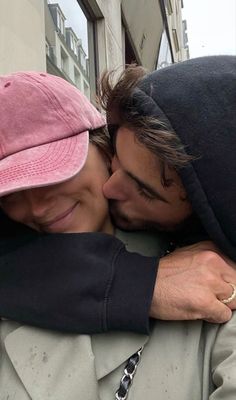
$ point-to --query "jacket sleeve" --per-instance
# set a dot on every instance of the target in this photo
(84, 283)
(224, 362)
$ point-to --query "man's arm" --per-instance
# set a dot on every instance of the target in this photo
(73, 282)
(89, 283)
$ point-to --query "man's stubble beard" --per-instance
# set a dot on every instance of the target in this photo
(124, 222)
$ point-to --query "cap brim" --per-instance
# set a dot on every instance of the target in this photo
(44, 165)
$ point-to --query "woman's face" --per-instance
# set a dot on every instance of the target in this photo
(77, 205)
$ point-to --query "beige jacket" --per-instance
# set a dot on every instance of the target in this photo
(180, 361)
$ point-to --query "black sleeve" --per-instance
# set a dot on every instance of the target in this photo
(81, 283)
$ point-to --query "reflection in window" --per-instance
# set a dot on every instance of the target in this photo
(67, 42)
(164, 58)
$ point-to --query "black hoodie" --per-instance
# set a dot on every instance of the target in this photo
(197, 99)
(89, 282)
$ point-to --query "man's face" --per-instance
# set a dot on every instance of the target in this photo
(77, 205)
(138, 200)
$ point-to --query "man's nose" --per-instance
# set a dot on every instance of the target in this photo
(114, 187)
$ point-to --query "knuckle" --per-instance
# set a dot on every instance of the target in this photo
(200, 305)
(204, 305)
(211, 257)
(211, 280)
(210, 260)
(207, 277)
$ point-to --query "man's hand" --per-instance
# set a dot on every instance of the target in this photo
(190, 283)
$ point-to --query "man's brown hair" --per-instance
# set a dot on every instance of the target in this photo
(116, 100)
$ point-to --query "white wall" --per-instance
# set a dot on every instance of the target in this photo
(22, 36)
(109, 31)
(144, 23)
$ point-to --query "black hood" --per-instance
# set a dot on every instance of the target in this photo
(197, 99)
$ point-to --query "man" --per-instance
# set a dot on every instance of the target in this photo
(175, 134)
(191, 282)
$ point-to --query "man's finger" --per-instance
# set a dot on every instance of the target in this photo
(230, 298)
(219, 314)
(191, 284)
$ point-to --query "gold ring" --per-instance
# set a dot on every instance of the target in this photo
(233, 295)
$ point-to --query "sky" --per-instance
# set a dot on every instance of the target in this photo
(211, 26)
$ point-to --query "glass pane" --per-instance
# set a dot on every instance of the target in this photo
(164, 58)
(67, 42)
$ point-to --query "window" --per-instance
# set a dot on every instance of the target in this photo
(47, 49)
(64, 62)
(185, 34)
(130, 56)
(86, 90)
(66, 28)
(164, 57)
(176, 41)
(77, 78)
(168, 6)
(60, 20)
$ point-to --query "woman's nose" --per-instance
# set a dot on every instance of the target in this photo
(38, 202)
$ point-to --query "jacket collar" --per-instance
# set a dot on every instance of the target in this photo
(113, 349)
(63, 365)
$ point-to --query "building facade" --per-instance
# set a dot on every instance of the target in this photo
(65, 55)
(79, 39)
(177, 29)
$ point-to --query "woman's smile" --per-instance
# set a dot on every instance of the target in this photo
(59, 223)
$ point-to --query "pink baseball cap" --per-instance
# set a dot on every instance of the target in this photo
(44, 130)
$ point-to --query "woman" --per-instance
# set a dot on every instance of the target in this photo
(53, 183)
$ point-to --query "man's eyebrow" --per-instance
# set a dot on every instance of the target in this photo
(147, 187)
